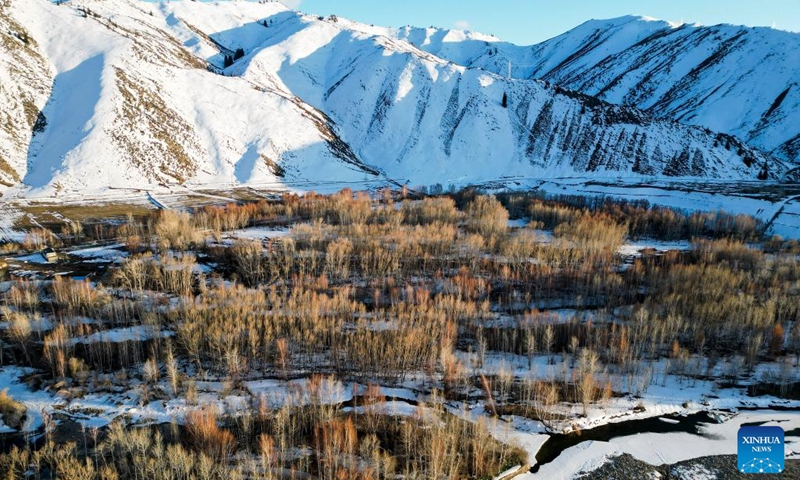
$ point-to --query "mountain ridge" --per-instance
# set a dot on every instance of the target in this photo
(687, 73)
(126, 94)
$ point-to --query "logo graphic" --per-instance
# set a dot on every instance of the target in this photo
(761, 450)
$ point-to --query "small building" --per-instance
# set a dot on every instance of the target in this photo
(50, 255)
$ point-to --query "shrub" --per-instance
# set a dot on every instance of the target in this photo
(593, 234)
(39, 238)
(431, 210)
(12, 412)
(487, 216)
(736, 254)
(337, 258)
(206, 436)
(168, 273)
(78, 296)
(23, 295)
(175, 230)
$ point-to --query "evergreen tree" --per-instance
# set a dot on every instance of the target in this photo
(678, 166)
(764, 173)
(698, 164)
(505, 100)
(585, 143)
(644, 164)
(541, 129)
(566, 142)
(597, 158)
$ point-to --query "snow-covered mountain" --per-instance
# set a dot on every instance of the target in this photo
(100, 94)
(116, 99)
(743, 81)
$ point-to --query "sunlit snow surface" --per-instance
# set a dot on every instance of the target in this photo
(315, 104)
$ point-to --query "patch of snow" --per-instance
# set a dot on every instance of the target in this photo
(138, 333)
(8, 216)
(36, 402)
(634, 248)
(694, 472)
(30, 258)
(659, 449)
(101, 254)
(258, 233)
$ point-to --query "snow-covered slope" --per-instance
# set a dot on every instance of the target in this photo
(420, 118)
(575, 51)
(126, 94)
(25, 81)
(733, 79)
(123, 102)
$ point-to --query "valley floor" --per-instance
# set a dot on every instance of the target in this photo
(562, 342)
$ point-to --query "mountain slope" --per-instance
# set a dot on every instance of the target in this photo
(25, 81)
(419, 117)
(130, 106)
(738, 80)
(575, 51)
(125, 94)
